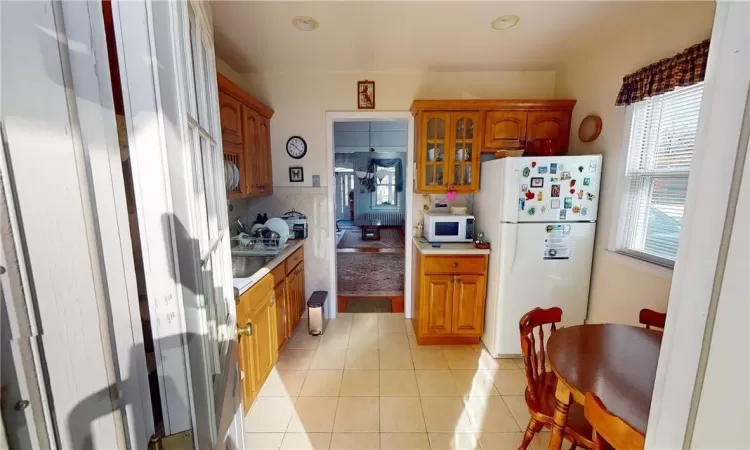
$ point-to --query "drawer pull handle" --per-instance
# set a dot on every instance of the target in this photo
(455, 265)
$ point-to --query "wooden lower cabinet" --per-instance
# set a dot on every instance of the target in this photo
(449, 298)
(267, 314)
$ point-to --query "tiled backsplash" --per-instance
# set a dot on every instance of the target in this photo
(312, 202)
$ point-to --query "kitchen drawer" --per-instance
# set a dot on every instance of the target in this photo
(253, 298)
(279, 273)
(297, 257)
(455, 264)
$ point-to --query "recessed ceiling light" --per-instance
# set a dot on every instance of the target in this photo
(305, 23)
(505, 22)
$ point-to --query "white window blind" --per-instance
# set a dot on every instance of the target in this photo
(660, 150)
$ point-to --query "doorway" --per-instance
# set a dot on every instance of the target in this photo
(370, 158)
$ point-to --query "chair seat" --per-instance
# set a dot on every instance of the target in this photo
(544, 408)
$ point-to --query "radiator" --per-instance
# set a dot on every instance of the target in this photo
(386, 218)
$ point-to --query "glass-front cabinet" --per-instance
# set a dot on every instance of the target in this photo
(448, 151)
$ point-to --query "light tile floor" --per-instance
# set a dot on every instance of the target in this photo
(367, 384)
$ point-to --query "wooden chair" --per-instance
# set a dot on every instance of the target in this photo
(651, 318)
(541, 384)
(609, 430)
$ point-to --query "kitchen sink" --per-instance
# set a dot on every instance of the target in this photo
(245, 266)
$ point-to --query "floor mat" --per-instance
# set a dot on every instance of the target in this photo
(389, 238)
(368, 305)
(370, 274)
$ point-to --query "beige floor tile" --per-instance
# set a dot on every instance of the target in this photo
(490, 415)
(283, 383)
(453, 441)
(303, 340)
(401, 415)
(360, 383)
(395, 341)
(263, 441)
(313, 414)
(487, 362)
(445, 415)
(334, 341)
(500, 441)
(328, 358)
(355, 441)
(339, 325)
(362, 359)
(428, 359)
(269, 415)
(436, 383)
(519, 363)
(474, 383)
(392, 323)
(322, 383)
(306, 441)
(357, 415)
(517, 406)
(395, 360)
(404, 441)
(510, 382)
(363, 338)
(365, 322)
(463, 358)
(295, 359)
(398, 383)
(540, 441)
(413, 344)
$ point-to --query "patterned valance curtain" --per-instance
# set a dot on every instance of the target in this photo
(684, 69)
(387, 163)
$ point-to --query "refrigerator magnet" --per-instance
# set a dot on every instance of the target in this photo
(524, 187)
(589, 196)
(580, 194)
(544, 209)
(533, 164)
(593, 165)
(563, 214)
(555, 203)
(584, 211)
(555, 190)
(580, 169)
(553, 168)
(521, 204)
(572, 183)
(526, 172)
(537, 182)
(586, 181)
(539, 196)
(568, 202)
(532, 211)
(542, 169)
(576, 209)
(572, 191)
(529, 195)
(554, 179)
(565, 176)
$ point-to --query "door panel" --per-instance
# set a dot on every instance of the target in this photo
(464, 156)
(230, 112)
(251, 180)
(468, 304)
(439, 308)
(548, 125)
(282, 313)
(265, 174)
(432, 157)
(264, 341)
(505, 129)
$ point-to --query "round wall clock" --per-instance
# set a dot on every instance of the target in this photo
(296, 147)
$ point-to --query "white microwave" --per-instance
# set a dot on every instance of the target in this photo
(445, 227)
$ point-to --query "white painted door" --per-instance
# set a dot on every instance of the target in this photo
(168, 73)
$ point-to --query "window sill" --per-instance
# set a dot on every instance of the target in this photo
(642, 263)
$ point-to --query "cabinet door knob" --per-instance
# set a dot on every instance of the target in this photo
(455, 265)
(247, 330)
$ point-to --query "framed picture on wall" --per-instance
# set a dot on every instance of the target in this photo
(366, 94)
(296, 174)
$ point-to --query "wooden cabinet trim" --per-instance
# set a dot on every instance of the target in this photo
(491, 104)
(228, 86)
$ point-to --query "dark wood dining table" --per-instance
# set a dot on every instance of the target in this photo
(616, 362)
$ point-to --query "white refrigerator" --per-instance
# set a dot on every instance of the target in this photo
(539, 216)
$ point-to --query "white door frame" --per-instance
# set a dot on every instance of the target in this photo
(365, 116)
(713, 188)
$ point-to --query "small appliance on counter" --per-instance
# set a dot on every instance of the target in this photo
(445, 227)
(297, 223)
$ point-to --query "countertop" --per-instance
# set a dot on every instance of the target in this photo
(449, 249)
(243, 284)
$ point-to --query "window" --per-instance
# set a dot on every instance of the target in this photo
(385, 190)
(659, 153)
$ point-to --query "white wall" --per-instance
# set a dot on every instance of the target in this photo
(621, 286)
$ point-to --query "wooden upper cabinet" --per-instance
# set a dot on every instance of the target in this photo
(432, 159)
(464, 157)
(553, 125)
(246, 139)
(505, 129)
(468, 304)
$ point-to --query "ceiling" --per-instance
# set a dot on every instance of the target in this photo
(440, 36)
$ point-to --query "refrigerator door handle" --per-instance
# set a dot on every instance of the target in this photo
(515, 250)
